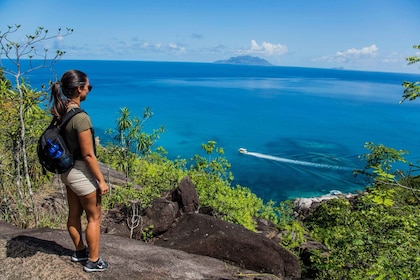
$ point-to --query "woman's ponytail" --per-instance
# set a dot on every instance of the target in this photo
(58, 108)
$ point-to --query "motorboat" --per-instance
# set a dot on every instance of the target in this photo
(243, 150)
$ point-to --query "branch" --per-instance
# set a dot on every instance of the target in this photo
(15, 51)
(135, 219)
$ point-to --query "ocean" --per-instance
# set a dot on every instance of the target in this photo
(303, 128)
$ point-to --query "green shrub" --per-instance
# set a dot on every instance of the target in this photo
(370, 241)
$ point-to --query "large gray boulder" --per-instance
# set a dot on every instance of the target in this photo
(205, 235)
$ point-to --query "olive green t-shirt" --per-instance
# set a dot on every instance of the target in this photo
(78, 123)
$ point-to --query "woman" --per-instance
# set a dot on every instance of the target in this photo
(84, 182)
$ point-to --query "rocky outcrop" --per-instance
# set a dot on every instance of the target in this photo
(185, 195)
(45, 254)
(206, 235)
(305, 206)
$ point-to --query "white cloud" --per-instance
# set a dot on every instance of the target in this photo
(371, 50)
(265, 48)
(352, 55)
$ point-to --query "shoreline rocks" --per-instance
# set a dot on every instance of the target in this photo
(303, 206)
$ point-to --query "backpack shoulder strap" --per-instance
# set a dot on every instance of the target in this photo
(70, 114)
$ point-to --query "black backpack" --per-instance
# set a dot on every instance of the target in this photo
(52, 149)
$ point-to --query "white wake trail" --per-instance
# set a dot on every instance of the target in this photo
(298, 162)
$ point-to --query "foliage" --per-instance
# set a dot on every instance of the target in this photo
(379, 168)
(157, 178)
(19, 110)
(130, 132)
(367, 240)
(153, 176)
(375, 237)
(132, 140)
(212, 180)
(120, 195)
(147, 233)
(411, 89)
(19, 198)
(293, 235)
(380, 159)
(53, 220)
(216, 166)
(280, 215)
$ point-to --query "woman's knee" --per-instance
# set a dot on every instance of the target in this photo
(93, 216)
(91, 206)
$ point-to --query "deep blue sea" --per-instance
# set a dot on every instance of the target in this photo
(303, 128)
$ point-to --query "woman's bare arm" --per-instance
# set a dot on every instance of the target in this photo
(88, 154)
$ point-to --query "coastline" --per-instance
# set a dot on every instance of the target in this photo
(306, 203)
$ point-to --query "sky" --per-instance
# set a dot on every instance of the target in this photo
(367, 35)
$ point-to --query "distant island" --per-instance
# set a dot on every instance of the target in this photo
(246, 60)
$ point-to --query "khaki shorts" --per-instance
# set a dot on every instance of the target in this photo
(80, 179)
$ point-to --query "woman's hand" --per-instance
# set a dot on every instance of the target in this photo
(103, 188)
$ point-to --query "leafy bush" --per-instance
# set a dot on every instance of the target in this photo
(366, 240)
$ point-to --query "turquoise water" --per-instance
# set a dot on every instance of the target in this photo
(321, 117)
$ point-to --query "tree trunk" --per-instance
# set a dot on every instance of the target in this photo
(23, 151)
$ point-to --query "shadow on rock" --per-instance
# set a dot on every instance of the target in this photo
(27, 246)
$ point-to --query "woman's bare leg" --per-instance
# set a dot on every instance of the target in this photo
(92, 205)
(74, 225)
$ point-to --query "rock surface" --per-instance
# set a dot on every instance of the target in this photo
(206, 235)
(45, 254)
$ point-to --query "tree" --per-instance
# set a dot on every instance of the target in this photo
(215, 164)
(132, 139)
(17, 53)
